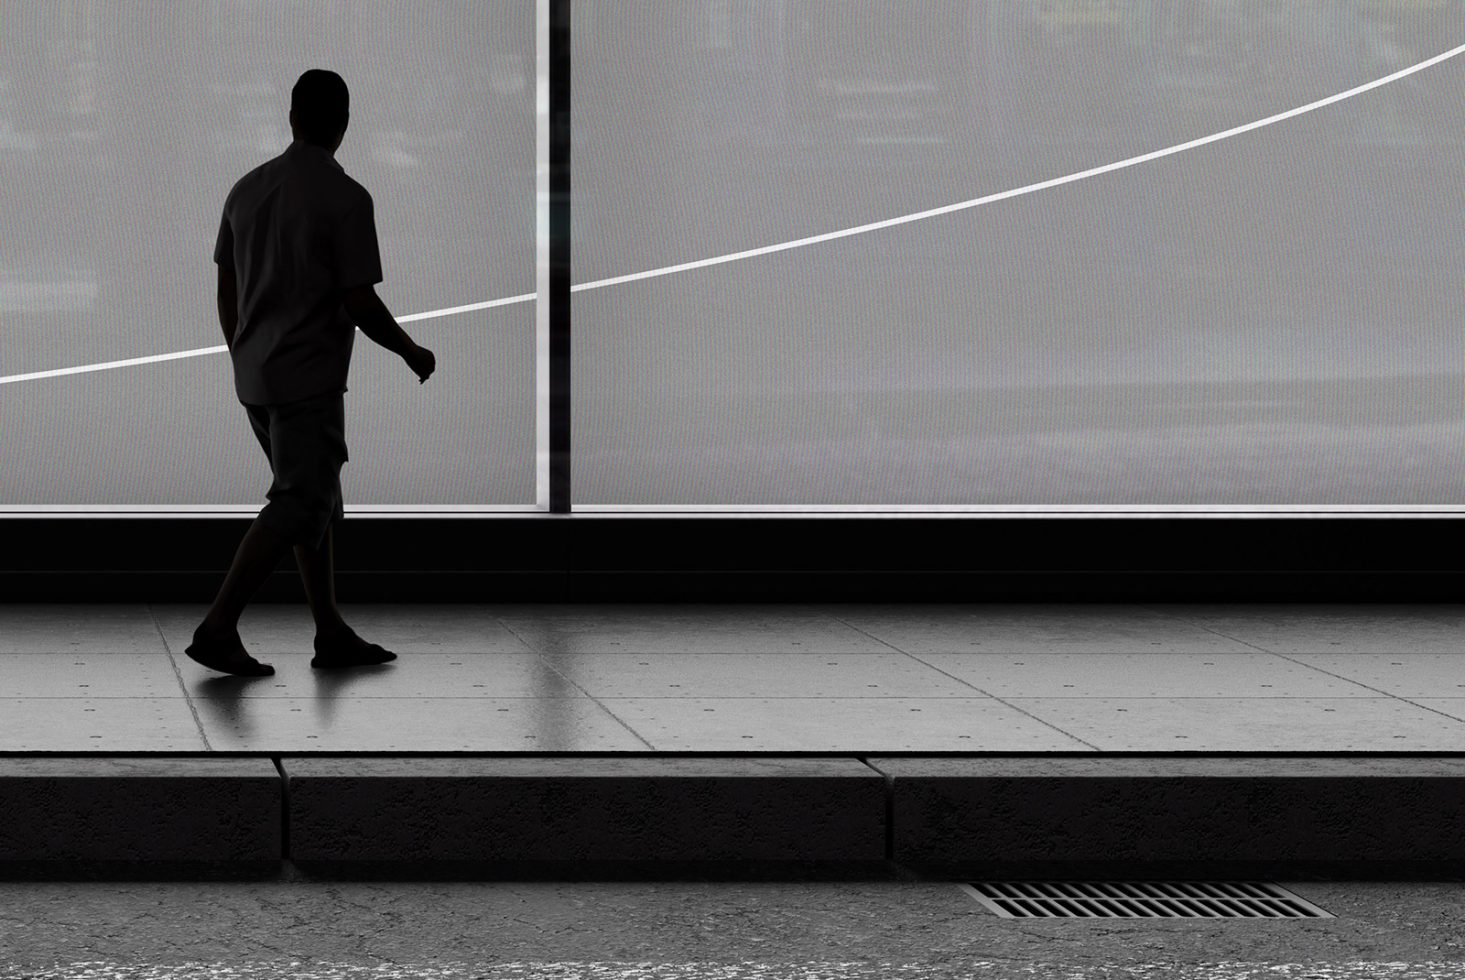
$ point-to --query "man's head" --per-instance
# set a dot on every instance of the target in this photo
(320, 108)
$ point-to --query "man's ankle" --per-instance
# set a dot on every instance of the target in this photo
(217, 625)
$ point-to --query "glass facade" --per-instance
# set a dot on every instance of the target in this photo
(124, 123)
(778, 303)
(1267, 319)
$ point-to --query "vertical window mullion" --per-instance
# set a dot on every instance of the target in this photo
(559, 256)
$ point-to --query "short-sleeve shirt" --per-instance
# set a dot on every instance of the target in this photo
(298, 232)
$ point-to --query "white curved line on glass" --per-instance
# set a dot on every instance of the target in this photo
(1030, 188)
(154, 358)
(829, 236)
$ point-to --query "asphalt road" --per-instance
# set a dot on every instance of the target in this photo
(726, 930)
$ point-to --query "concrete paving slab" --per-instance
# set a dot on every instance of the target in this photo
(572, 616)
(1354, 724)
(1451, 707)
(753, 632)
(594, 811)
(1013, 628)
(98, 725)
(1142, 675)
(809, 696)
(852, 725)
(751, 675)
(411, 675)
(1403, 675)
(1173, 816)
(438, 725)
(149, 814)
(280, 627)
(89, 675)
(1291, 628)
(78, 628)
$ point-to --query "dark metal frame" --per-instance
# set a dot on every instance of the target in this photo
(559, 257)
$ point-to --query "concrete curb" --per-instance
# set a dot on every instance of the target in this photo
(668, 817)
(148, 816)
(1346, 817)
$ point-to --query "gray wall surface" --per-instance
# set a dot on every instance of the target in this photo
(1269, 319)
(123, 124)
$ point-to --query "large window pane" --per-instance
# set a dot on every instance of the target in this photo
(1268, 319)
(124, 123)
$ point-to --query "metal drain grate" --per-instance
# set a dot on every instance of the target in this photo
(1142, 900)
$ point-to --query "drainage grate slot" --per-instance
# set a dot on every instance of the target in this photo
(1142, 900)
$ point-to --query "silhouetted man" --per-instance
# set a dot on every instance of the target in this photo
(298, 257)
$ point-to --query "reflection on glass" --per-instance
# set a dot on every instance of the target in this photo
(1271, 319)
(123, 123)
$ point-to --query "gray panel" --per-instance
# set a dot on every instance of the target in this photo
(1268, 319)
(124, 123)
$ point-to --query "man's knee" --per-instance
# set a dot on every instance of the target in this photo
(300, 524)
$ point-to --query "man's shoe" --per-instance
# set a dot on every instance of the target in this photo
(348, 651)
(224, 652)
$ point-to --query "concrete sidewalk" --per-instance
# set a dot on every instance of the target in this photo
(787, 740)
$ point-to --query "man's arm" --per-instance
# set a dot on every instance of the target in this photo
(228, 305)
(364, 306)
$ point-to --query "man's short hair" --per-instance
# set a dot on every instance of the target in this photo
(321, 103)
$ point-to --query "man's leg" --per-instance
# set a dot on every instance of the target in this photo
(318, 575)
(336, 644)
(258, 554)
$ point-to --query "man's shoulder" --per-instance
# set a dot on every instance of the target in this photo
(334, 185)
(329, 182)
(354, 191)
(251, 179)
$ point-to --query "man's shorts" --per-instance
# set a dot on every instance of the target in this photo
(306, 445)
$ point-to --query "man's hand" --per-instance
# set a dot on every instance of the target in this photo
(421, 361)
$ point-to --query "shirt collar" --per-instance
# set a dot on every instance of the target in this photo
(300, 146)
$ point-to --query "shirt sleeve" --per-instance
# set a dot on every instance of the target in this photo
(358, 258)
(224, 247)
